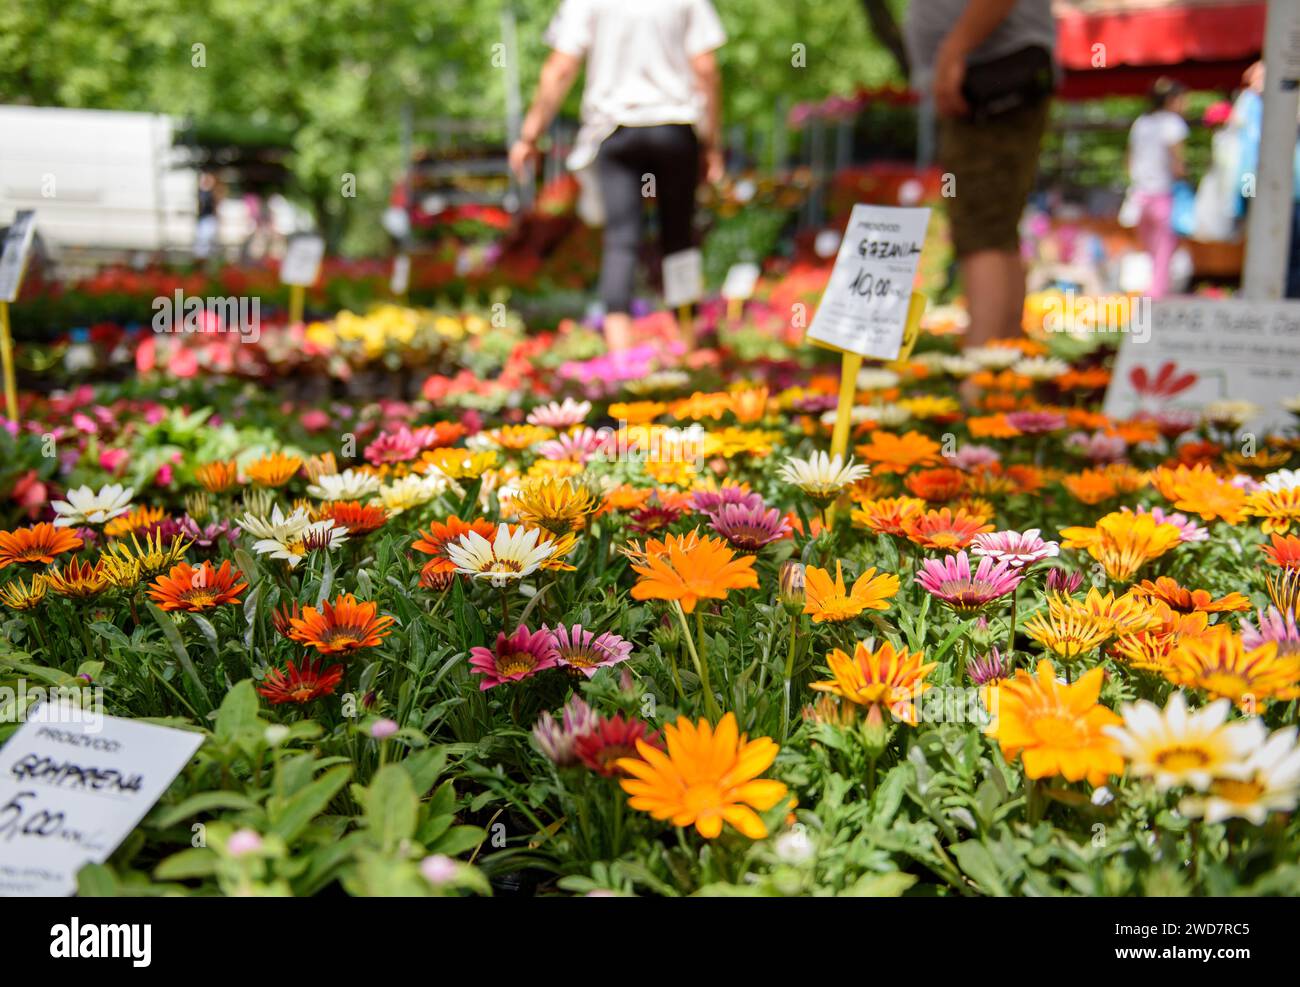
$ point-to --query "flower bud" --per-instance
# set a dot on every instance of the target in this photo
(791, 590)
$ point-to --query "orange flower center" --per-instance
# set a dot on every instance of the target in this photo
(516, 663)
(1237, 791)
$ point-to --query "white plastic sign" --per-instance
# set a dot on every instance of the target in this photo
(74, 783)
(683, 277)
(302, 259)
(17, 250)
(864, 307)
(1181, 355)
(401, 279)
(741, 281)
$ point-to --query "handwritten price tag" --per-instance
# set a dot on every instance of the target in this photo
(302, 260)
(74, 783)
(864, 308)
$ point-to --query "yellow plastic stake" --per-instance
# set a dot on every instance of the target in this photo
(850, 364)
(687, 323)
(297, 293)
(7, 354)
(734, 307)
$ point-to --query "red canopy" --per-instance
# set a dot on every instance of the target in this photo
(1122, 46)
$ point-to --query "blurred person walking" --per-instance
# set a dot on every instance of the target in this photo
(989, 66)
(207, 226)
(1155, 163)
(650, 108)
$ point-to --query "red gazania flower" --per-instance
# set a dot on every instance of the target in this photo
(936, 485)
(359, 519)
(37, 545)
(434, 541)
(195, 590)
(300, 685)
(945, 529)
(614, 737)
(283, 616)
(340, 627)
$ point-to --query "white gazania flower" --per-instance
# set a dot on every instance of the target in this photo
(993, 357)
(660, 380)
(1281, 481)
(85, 506)
(1269, 782)
(508, 556)
(1040, 367)
(820, 476)
(876, 379)
(957, 365)
(558, 415)
(317, 536)
(348, 485)
(1174, 747)
(410, 491)
(278, 526)
(1229, 413)
(888, 415)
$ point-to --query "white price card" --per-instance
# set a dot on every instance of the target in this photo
(74, 783)
(302, 259)
(401, 279)
(17, 249)
(741, 281)
(683, 277)
(864, 307)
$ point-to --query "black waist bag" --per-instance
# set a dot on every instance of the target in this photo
(1000, 86)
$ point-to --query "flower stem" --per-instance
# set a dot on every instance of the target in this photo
(701, 669)
(789, 674)
(1011, 633)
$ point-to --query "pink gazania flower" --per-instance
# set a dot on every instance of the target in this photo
(1017, 549)
(1188, 530)
(1274, 626)
(515, 658)
(1063, 581)
(207, 536)
(951, 581)
(749, 527)
(1097, 447)
(579, 648)
(1173, 422)
(581, 446)
(991, 668)
(712, 501)
(1036, 422)
(400, 446)
(971, 457)
(614, 737)
(560, 416)
(556, 740)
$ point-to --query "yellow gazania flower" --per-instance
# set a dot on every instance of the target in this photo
(126, 565)
(670, 472)
(1279, 509)
(323, 464)
(1150, 649)
(274, 470)
(1123, 542)
(926, 406)
(699, 406)
(79, 580)
(518, 437)
(18, 595)
(883, 680)
(636, 412)
(559, 506)
(1123, 614)
(1219, 664)
(555, 468)
(218, 477)
(731, 441)
(134, 520)
(706, 777)
(1067, 635)
(826, 599)
(460, 464)
(1056, 729)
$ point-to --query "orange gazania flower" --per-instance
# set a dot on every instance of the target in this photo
(195, 590)
(340, 627)
(80, 580)
(1056, 729)
(359, 519)
(827, 599)
(1169, 592)
(945, 529)
(937, 485)
(1199, 491)
(1026, 477)
(1277, 509)
(749, 404)
(218, 477)
(434, 541)
(883, 680)
(1284, 552)
(986, 481)
(1137, 430)
(707, 776)
(37, 545)
(274, 470)
(1089, 486)
(1123, 542)
(889, 515)
(891, 453)
(136, 519)
(700, 405)
(624, 497)
(300, 684)
(991, 427)
(690, 569)
(1150, 649)
(1218, 663)
(637, 412)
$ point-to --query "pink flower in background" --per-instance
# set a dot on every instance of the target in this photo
(1036, 422)
(581, 446)
(579, 648)
(315, 420)
(30, 494)
(84, 423)
(970, 457)
(164, 476)
(749, 527)
(1017, 549)
(1274, 627)
(394, 447)
(113, 459)
(1098, 447)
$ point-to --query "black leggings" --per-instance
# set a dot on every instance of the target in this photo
(628, 159)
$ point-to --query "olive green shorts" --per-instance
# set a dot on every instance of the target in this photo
(993, 165)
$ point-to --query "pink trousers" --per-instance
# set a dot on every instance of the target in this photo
(1156, 232)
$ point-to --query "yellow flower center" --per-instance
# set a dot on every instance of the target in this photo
(516, 663)
(1183, 758)
(1236, 791)
(504, 565)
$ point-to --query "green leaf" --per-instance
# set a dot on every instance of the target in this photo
(979, 865)
(889, 885)
(238, 712)
(392, 807)
(202, 802)
(289, 817)
(173, 637)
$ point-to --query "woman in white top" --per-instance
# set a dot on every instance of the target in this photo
(652, 103)
(1155, 162)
